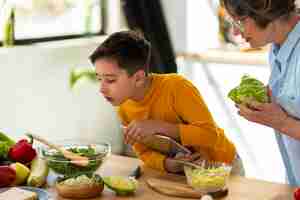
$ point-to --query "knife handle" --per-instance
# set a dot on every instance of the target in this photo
(137, 173)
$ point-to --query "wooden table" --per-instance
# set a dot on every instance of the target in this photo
(240, 188)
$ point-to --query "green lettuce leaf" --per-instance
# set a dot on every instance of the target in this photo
(249, 89)
(4, 148)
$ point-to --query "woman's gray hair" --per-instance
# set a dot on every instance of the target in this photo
(262, 11)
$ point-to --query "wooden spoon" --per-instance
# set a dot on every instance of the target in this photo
(76, 159)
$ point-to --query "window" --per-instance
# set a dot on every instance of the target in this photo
(53, 19)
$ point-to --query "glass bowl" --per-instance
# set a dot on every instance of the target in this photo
(97, 153)
(207, 176)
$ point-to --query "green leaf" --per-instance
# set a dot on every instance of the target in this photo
(81, 73)
(5, 138)
(4, 148)
(249, 89)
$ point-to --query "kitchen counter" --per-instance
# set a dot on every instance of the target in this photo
(226, 56)
(240, 188)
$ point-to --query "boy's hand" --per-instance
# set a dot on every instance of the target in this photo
(174, 167)
(137, 130)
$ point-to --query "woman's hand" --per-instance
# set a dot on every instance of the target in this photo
(269, 114)
(272, 115)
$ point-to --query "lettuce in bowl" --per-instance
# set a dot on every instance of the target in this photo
(249, 89)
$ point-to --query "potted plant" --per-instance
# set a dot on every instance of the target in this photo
(78, 74)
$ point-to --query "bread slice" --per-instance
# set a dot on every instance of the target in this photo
(18, 194)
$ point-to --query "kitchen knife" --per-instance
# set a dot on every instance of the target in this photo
(136, 173)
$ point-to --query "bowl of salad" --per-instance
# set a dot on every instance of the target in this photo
(207, 176)
(96, 152)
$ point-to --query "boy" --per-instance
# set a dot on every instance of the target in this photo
(149, 104)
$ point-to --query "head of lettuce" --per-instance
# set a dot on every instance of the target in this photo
(249, 90)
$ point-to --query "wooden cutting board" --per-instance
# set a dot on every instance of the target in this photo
(177, 189)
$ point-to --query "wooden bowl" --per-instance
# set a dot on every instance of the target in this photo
(82, 191)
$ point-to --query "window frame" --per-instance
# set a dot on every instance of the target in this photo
(30, 41)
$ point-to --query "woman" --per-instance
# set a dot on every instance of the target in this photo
(275, 21)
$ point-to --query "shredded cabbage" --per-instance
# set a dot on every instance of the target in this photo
(207, 179)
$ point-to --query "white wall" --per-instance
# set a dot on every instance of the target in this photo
(35, 95)
(192, 25)
(175, 13)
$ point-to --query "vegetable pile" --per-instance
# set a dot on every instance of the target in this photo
(19, 163)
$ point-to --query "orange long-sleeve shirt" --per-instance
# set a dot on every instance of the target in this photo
(174, 99)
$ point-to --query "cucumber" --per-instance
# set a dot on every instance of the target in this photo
(123, 186)
(39, 172)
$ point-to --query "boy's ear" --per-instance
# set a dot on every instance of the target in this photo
(140, 77)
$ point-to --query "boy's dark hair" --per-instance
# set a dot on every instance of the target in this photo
(129, 49)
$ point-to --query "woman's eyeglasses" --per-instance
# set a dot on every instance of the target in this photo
(238, 24)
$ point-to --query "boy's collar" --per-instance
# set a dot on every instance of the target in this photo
(146, 89)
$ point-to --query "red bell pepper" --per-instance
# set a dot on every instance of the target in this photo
(297, 194)
(22, 151)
